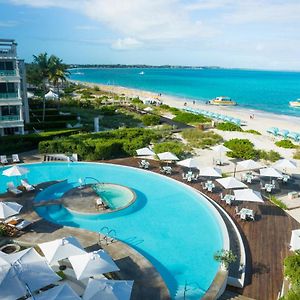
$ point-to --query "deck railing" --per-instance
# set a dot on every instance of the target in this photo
(8, 73)
(8, 95)
(9, 118)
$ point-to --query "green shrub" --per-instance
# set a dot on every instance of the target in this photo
(108, 110)
(3, 231)
(136, 101)
(252, 131)
(189, 118)
(269, 155)
(277, 202)
(226, 126)
(297, 154)
(46, 125)
(285, 144)
(292, 268)
(175, 147)
(200, 139)
(241, 148)
(149, 120)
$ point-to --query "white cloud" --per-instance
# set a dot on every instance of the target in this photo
(126, 44)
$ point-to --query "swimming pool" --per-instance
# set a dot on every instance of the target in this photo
(169, 223)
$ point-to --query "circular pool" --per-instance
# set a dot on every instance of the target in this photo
(170, 223)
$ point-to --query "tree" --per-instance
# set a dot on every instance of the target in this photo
(226, 257)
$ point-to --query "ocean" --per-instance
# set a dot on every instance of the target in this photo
(268, 91)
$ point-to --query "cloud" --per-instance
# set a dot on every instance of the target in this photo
(8, 23)
(126, 44)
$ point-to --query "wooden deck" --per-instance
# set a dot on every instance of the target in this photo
(266, 240)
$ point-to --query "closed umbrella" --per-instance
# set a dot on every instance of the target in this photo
(62, 248)
(64, 292)
(248, 195)
(189, 163)
(90, 264)
(23, 273)
(8, 209)
(108, 289)
(210, 172)
(145, 152)
(231, 183)
(249, 164)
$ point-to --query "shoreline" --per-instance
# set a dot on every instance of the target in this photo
(261, 122)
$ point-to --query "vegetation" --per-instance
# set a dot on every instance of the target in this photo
(252, 131)
(226, 126)
(102, 145)
(200, 139)
(277, 202)
(269, 155)
(170, 146)
(188, 118)
(226, 257)
(149, 120)
(297, 154)
(3, 231)
(286, 144)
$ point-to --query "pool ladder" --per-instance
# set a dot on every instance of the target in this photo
(109, 237)
(84, 181)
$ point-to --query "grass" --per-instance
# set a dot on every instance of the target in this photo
(277, 202)
(287, 144)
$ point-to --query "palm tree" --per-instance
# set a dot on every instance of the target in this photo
(58, 72)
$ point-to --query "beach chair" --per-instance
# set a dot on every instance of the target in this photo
(28, 187)
(184, 176)
(15, 158)
(236, 210)
(195, 177)
(3, 159)
(11, 188)
(273, 130)
(284, 133)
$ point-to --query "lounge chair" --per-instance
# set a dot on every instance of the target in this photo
(18, 223)
(3, 159)
(11, 188)
(15, 158)
(184, 176)
(28, 187)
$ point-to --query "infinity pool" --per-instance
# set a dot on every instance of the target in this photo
(169, 223)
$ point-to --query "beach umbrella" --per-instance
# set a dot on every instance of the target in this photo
(220, 149)
(108, 289)
(15, 171)
(295, 136)
(64, 292)
(231, 183)
(61, 248)
(51, 95)
(273, 130)
(167, 156)
(90, 264)
(248, 195)
(189, 163)
(145, 152)
(8, 209)
(284, 164)
(210, 172)
(249, 165)
(283, 133)
(270, 172)
(23, 273)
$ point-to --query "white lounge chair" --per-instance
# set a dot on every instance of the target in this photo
(3, 159)
(29, 187)
(11, 188)
(15, 222)
(15, 158)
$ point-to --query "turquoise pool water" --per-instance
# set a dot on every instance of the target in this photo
(170, 224)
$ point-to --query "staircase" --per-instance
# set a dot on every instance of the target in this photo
(227, 295)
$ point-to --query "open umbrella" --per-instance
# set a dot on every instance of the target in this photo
(24, 272)
(189, 163)
(248, 195)
(210, 172)
(108, 289)
(220, 149)
(145, 152)
(270, 172)
(64, 292)
(62, 248)
(167, 156)
(89, 264)
(15, 171)
(284, 164)
(249, 165)
(8, 209)
(231, 183)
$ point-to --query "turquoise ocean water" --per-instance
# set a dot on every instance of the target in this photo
(268, 91)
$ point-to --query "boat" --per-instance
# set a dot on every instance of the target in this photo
(295, 103)
(142, 73)
(222, 100)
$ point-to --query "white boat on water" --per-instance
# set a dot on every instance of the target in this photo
(142, 73)
(295, 103)
(222, 100)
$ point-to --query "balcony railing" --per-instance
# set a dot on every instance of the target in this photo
(8, 95)
(8, 73)
(9, 118)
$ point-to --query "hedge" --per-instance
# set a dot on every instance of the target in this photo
(46, 125)
(149, 120)
(187, 118)
(286, 144)
(226, 126)
(175, 147)
(50, 118)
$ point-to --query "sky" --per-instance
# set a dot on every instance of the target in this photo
(256, 34)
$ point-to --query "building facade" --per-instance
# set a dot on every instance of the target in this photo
(13, 92)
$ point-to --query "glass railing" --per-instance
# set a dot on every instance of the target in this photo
(9, 118)
(8, 73)
(8, 95)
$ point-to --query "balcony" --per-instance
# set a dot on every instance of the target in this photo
(8, 96)
(8, 73)
(10, 118)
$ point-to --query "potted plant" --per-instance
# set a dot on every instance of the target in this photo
(226, 257)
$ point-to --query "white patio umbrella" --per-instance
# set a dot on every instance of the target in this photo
(145, 152)
(23, 273)
(64, 292)
(249, 164)
(189, 163)
(62, 248)
(89, 264)
(270, 172)
(231, 183)
(8, 209)
(167, 156)
(295, 240)
(210, 172)
(284, 164)
(248, 195)
(220, 149)
(15, 171)
(51, 95)
(108, 289)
